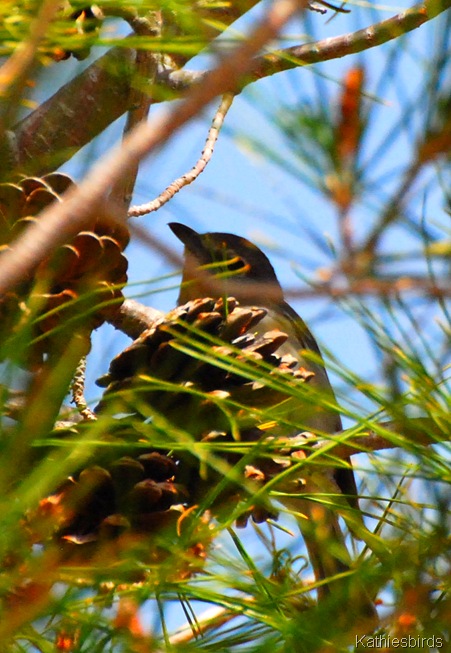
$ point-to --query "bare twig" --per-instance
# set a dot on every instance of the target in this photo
(340, 46)
(155, 244)
(133, 317)
(393, 210)
(189, 177)
(378, 287)
(333, 288)
(324, 50)
(58, 223)
(78, 391)
(328, 5)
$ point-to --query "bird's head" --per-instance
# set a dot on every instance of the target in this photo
(218, 264)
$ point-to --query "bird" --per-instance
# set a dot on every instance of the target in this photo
(218, 264)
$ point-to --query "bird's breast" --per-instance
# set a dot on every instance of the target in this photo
(308, 410)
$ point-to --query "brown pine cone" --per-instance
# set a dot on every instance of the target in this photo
(131, 493)
(82, 279)
(122, 517)
(183, 368)
(128, 494)
(203, 369)
(193, 358)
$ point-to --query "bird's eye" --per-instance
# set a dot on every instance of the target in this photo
(227, 260)
(235, 263)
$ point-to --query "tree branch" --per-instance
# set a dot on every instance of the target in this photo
(422, 431)
(54, 132)
(101, 93)
(340, 46)
(140, 101)
(132, 318)
(86, 105)
(320, 51)
(59, 222)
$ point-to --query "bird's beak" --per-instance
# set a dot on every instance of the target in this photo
(190, 238)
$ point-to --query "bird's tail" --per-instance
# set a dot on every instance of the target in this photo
(330, 559)
(325, 544)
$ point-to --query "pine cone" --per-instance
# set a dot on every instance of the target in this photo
(172, 369)
(131, 493)
(81, 279)
(196, 355)
(130, 505)
(193, 363)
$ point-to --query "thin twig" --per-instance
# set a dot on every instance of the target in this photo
(393, 210)
(340, 46)
(133, 317)
(189, 177)
(415, 285)
(78, 391)
(155, 244)
(334, 288)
